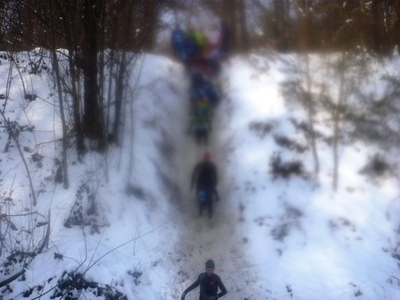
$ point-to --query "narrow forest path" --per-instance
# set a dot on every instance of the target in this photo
(221, 241)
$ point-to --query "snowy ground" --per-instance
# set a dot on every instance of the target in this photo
(271, 239)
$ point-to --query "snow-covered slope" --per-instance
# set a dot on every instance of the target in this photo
(270, 239)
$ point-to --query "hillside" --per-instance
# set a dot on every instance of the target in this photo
(288, 237)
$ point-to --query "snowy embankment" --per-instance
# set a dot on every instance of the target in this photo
(303, 239)
(133, 188)
(271, 239)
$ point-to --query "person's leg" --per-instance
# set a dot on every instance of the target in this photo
(200, 200)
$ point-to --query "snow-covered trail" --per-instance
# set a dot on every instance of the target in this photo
(221, 241)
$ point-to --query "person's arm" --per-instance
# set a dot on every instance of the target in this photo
(192, 287)
(222, 288)
(215, 175)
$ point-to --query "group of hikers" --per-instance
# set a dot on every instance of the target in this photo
(202, 53)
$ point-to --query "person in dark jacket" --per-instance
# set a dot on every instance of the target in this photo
(209, 283)
(205, 177)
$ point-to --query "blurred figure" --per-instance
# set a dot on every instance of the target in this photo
(209, 283)
(200, 87)
(213, 50)
(201, 106)
(198, 39)
(178, 41)
(205, 177)
(200, 126)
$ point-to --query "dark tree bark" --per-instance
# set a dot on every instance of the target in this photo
(60, 101)
(150, 23)
(230, 8)
(67, 12)
(92, 110)
(244, 36)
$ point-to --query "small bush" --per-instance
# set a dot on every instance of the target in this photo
(261, 129)
(71, 284)
(280, 231)
(38, 159)
(376, 167)
(85, 211)
(290, 144)
(285, 170)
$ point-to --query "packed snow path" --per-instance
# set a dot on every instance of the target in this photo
(199, 240)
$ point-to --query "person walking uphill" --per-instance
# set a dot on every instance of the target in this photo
(209, 283)
(205, 176)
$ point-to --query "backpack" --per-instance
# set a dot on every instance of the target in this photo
(202, 196)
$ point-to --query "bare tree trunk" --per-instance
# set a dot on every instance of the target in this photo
(92, 110)
(150, 13)
(337, 116)
(378, 25)
(111, 63)
(396, 25)
(229, 11)
(66, 15)
(310, 115)
(119, 93)
(309, 101)
(121, 74)
(244, 37)
(61, 102)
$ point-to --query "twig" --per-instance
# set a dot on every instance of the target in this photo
(7, 122)
(32, 255)
(112, 250)
(96, 261)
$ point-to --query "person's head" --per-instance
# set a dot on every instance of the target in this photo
(210, 267)
(207, 156)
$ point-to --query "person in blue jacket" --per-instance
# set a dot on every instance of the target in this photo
(209, 283)
(182, 45)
